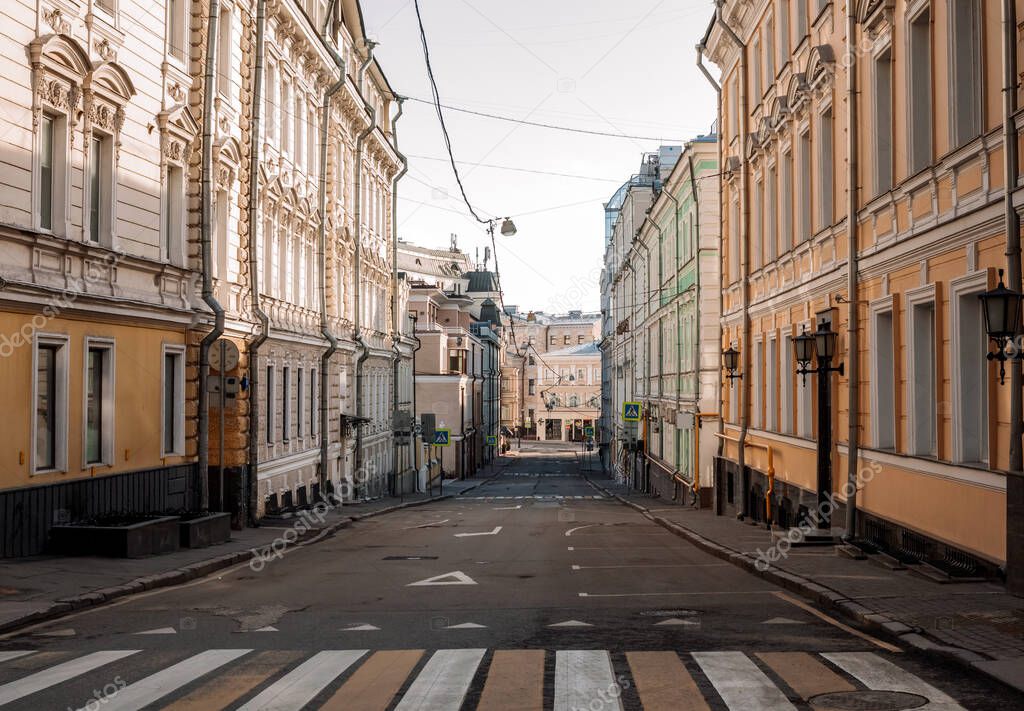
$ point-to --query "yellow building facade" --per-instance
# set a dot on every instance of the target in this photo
(920, 83)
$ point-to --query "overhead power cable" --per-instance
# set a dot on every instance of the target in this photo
(521, 170)
(440, 114)
(538, 124)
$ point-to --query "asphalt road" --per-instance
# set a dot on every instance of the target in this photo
(531, 592)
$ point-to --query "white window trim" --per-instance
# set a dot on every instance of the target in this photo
(882, 48)
(975, 282)
(107, 404)
(922, 296)
(951, 82)
(179, 395)
(771, 384)
(805, 388)
(756, 384)
(108, 190)
(60, 209)
(60, 455)
(880, 307)
(913, 14)
(181, 62)
(787, 374)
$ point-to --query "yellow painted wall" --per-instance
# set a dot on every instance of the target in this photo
(138, 364)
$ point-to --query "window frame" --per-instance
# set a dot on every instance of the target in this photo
(61, 344)
(920, 115)
(884, 308)
(968, 286)
(920, 298)
(178, 351)
(108, 400)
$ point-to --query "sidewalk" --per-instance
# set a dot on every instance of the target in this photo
(976, 623)
(44, 587)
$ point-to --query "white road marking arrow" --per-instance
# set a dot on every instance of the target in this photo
(456, 577)
(466, 626)
(160, 630)
(361, 628)
(268, 628)
(782, 621)
(571, 623)
(495, 532)
(56, 633)
(675, 622)
(508, 508)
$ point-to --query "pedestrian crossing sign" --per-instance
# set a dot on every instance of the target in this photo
(492, 440)
(631, 411)
(442, 438)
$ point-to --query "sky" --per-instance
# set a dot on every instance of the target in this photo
(599, 65)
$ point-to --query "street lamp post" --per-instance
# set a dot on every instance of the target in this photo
(822, 344)
(1002, 309)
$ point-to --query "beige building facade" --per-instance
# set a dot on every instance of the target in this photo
(863, 192)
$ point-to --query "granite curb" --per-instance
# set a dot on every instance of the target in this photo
(824, 596)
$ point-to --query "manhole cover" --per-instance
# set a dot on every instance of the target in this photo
(867, 701)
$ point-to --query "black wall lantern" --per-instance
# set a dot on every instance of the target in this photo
(731, 359)
(1002, 308)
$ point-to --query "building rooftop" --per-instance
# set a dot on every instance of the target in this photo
(583, 349)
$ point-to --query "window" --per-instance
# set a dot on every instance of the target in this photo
(801, 20)
(920, 113)
(100, 181)
(270, 100)
(300, 123)
(554, 340)
(882, 97)
(804, 198)
(756, 383)
(51, 403)
(785, 41)
(271, 399)
(769, 51)
(786, 203)
(286, 403)
(579, 339)
(755, 51)
(174, 214)
(921, 374)
(826, 168)
(531, 387)
(314, 407)
(786, 390)
(771, 384)
(771, 216)
(224, 35)
(565, 340)
(176, 28)
(52, 173)
(457, 361)
(757, 243)
(966, 77)
(300, 404)
(99, 402)
(883, 391)
(970, 371)
(734, 242)
(173, 405)
(286, 108)
(221, 208)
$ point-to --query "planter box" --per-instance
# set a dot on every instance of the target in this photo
(206, 530)
(134, 540)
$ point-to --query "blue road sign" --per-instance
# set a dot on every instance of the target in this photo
(631, 411)
(492, 440)
(442, 438)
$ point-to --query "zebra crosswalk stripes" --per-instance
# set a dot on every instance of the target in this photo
(59, 674)
(443, 680)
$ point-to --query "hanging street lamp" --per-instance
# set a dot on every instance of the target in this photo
(1002, 310)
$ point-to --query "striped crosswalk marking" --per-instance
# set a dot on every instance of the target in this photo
(298, 687)
(583, 677)
(444, 681)
(221, 691)
(663, 683)
(805, 674)
(882, 675)
(515, 681)
(742, 686)
(374, 685)
(156, 686)
(59, 674)
(14, 654)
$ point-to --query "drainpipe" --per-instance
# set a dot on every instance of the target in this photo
(744, 258)
(645, 461)
(396, 337)
(206, 200)
(701, 49)
(853, 351)
(325, 324)
(254, 273)
(412, 436)
(357, 281)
